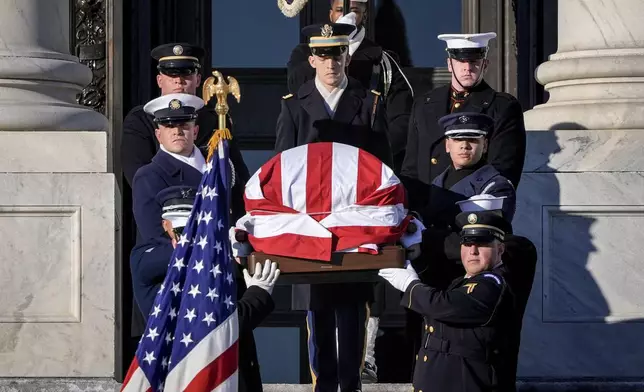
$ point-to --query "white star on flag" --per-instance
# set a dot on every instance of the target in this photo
(175, 288)
(208, 319)
(149, 357)
(152, 334)
(202, 242)
(190, 314)
(207, 217)
(198, 266)
(183, 239)
(156, 311)
(212, 294)
(178, 263)
(186, 339)
(212, 193)
(194, 291)
(215, 270)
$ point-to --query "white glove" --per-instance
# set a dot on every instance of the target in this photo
(264, 277)
(400, 278)
(409, 239)
(240, 249)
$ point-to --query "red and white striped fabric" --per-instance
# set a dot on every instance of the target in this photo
(319, 198)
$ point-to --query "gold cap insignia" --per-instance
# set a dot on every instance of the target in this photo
(175, 104)
(472, 219)
(177, 50)
(463, 119)
(327, 31)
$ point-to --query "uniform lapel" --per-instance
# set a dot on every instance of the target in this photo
(435, 107)
(312, 102)
(176, 169)
(475, 180)
(438, 181)
(350, 103)
(479, 100)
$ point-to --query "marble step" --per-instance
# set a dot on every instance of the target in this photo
(109, 385)
(548, 386)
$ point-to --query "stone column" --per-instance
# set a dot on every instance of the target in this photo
(582, 195)
(58, 205)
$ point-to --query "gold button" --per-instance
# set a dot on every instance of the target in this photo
(431, 329)
(457, 105)
(426, 327)
(417, 357)
(434, 161)
(425, 358)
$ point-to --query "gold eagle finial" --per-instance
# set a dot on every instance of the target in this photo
(216, 86)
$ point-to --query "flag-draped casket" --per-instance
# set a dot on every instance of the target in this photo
(313, 200)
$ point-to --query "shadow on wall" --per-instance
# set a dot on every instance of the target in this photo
(570, 327)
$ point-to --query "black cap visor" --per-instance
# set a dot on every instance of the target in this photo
(178, 67)
(170, 121)
(480, 236)
(467, 54)
(329, 51)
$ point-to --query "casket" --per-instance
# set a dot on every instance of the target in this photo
(343, 267)
(326, 212)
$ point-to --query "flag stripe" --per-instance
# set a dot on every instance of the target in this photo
(318, 182)
(135, 379)
(217, 372)
(215, 344)
(369, 176)
(230, 385)
(294, 245)
(266, 226)
(291, 178)
(344, 175)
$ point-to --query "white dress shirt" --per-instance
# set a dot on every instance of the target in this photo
(195, 159)
(331, 98)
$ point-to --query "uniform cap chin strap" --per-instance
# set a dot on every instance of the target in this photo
(478, 79)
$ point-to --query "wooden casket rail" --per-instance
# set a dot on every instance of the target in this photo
(343, 267)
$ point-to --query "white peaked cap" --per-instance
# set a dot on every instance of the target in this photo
(163, 102)
(467, 41)
(350, 18)
(482, 202)
(177, 218)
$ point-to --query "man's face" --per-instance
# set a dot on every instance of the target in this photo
(465, 152)
(480, 257)
(178, 138)
(329, 69)
(467, 72)
(186, 84)
(337, 11)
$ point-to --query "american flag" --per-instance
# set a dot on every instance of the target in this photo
(190, 341)
(319, 198)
